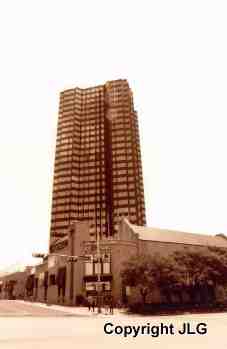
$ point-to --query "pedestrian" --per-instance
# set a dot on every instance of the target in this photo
(106, 305)
(111, 306)
(119, 305)
(93, 305)
(89, 304)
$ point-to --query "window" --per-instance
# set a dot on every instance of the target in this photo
(97, 268)
(88, 268)
(106, 268)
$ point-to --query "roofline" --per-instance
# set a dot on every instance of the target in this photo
(179, 231)
(93, 87)
(182, 243)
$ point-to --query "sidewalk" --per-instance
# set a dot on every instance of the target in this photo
(81, 311)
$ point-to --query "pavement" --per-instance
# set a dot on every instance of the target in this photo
(27, 308)
(56, 327)
(80, 311)
(12, 308)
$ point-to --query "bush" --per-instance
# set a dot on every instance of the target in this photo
(174, 308)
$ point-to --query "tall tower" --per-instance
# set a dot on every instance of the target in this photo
(98, 173)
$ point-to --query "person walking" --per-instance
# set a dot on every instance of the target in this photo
(93, 305)
(89, 304)
(111, 306)
(106, 305)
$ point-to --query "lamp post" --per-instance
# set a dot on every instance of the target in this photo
(71, 292)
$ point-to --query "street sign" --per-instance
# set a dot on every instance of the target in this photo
(90, 286)
(86, 258)
(39, 255)
(98, 286)
(72, 259)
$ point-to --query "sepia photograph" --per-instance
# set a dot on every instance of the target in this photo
(113, 175)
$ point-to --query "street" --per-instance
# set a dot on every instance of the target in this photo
(25, 325)
(18, 308)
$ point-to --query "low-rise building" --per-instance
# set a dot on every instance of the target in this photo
(13, 284)
(60, 281)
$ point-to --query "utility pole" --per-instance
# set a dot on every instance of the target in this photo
(71, 292)
(99, 286)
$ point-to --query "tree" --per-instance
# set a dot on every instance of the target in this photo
(146, 272)
(136, 273)
(198, 271)
(193, 271)
(164, 273)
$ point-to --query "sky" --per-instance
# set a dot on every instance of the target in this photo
(173, 54)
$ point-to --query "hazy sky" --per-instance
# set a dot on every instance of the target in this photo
(174, 55)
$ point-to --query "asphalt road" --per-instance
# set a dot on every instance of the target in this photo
(46, 328)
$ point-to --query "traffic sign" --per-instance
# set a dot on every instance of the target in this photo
(72, 259)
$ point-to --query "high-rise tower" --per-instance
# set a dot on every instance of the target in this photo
(98, 173)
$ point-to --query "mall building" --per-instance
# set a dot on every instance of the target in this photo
(58, 281)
